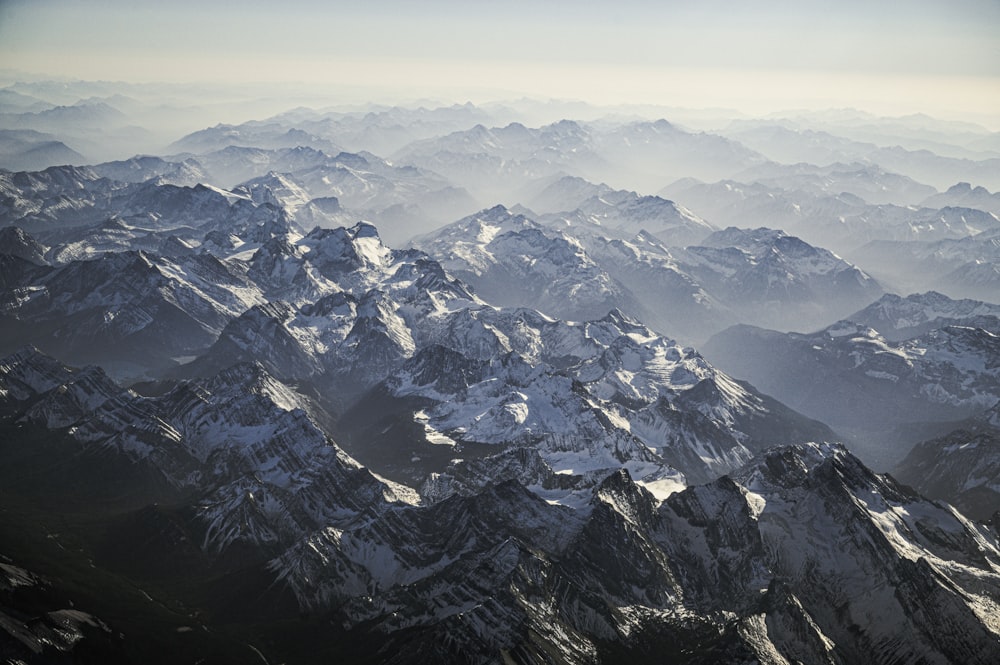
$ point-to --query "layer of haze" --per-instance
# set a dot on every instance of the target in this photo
(921, 56)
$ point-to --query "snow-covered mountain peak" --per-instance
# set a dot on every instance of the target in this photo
(629, 499)
(482, 227)
(847, 328)
(279, 189)
(903, 524)
(788, 466)
(277, 246)
(626, 324)
(627, 213)
(251, 379)
(344, 249)
(762, 242)
(900, 318)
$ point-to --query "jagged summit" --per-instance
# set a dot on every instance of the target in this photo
(623, 321)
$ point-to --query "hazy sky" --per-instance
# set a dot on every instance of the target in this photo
(940, 57)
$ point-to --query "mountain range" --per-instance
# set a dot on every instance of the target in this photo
(934, 365)
(747, 566)
(410, 385)
(691, 291)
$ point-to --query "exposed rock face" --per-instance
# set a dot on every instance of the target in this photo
(780, 565)
(242, 441)
(962, 467)
(802, 554)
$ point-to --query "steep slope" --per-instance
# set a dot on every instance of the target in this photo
(15, 242)
(61, 206)
(132, 311)
(68, 195)
(826, 520)
(352, 308)
(230, 164)
(562, 193)
(671, 299)
(962, 467)
(278, 189)
(863, 384)
(245, 446)
(165, 207)
(576, 271)
(768, 276)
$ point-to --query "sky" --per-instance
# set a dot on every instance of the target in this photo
(755, 56)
